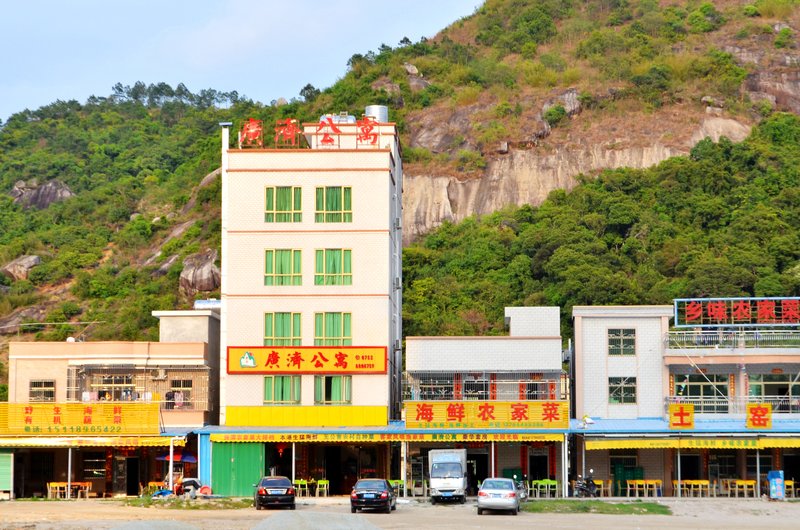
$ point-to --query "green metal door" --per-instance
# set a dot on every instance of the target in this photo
(6, 477)
(235, 467)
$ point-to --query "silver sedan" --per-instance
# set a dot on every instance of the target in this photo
(498, 494)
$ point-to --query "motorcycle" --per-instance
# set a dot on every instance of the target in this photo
(522, 488)
(586, 487)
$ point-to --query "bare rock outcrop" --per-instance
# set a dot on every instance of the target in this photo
(526, 176)
(200, 274)
(40, 197)
(20, 268)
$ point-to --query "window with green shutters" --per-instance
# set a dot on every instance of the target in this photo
(333, 266)
(334, 204)
(283, 204)
(282, 389)
(332, 389)
(622, 342)
(282, 329)
(282, 267)
(333, 329)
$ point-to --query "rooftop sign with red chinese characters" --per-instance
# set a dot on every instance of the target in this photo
(737, 312)
(487, 414)
(307, 360)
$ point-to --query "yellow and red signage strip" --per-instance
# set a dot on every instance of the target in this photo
(385, 437)
(487, 414)
(307, 359)
(79, 419)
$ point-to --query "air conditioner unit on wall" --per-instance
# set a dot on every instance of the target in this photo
(158, 374)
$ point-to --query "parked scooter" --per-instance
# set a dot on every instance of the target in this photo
(586, 487)
(522, 488)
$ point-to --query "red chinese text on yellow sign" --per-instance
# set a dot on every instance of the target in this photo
(482, 414)
(759, 416)
(307, 360)
(681, 416)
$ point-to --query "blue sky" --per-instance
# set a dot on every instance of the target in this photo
(263, 49)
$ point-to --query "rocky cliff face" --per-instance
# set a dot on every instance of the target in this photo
(528, 176)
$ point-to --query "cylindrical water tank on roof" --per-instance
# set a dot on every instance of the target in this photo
(379, 112)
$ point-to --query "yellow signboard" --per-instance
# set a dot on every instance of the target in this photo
(681, 416)
(673, 443)
(66, 419)
(307, 360)
(385, 437)
(759, 416)
(487, 414)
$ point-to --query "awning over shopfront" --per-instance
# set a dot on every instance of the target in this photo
(87, 441)
(394, 432)
(689, 443)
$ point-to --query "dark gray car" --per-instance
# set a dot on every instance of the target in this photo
(274, 491)
(373, 493)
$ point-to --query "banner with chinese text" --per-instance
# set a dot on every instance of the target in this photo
(681, 416)
(79, 418)
(386, 437)
(759, 416)
(487, 414)
(737, 312)
(307, 360)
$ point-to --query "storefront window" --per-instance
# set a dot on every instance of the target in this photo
(94, 465)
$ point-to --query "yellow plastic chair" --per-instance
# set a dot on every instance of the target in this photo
(323, 486)
(789, 485)
(397, 486)
(301, 485)
(533, 486)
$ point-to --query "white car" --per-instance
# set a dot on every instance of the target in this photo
(498, 494)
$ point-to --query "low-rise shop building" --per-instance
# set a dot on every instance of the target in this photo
(708, 405)
(104, 415)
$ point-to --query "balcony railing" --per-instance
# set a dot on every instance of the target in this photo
(736, 405)
(731, 339)
(451, 386)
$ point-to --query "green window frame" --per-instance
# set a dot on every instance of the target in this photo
(333, 329)
(334, 204)
(283, 266)
(282, 389)
(282, 329)
(622, 342)
(333, 390)
(621, 390)
(333, 266)
(283, 204)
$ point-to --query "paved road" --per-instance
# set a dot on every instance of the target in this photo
(334, 514)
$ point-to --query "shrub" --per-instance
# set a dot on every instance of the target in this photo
(417, 154)
(555, 115)
(750, 11)
(704, 19)
(470, 160)
(784, 39)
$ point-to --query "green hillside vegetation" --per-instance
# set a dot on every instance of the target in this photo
(135, 158)
(724, 221)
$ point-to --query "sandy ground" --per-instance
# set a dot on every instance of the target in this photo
(333, 513)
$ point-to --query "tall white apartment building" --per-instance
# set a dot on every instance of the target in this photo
(311, 296)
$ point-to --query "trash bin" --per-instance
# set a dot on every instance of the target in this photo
(776, 486)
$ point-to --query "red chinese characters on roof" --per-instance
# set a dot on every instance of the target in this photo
(328, 128)
(287, 132)
(738, 312)
(366, 131)
(252, 134)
